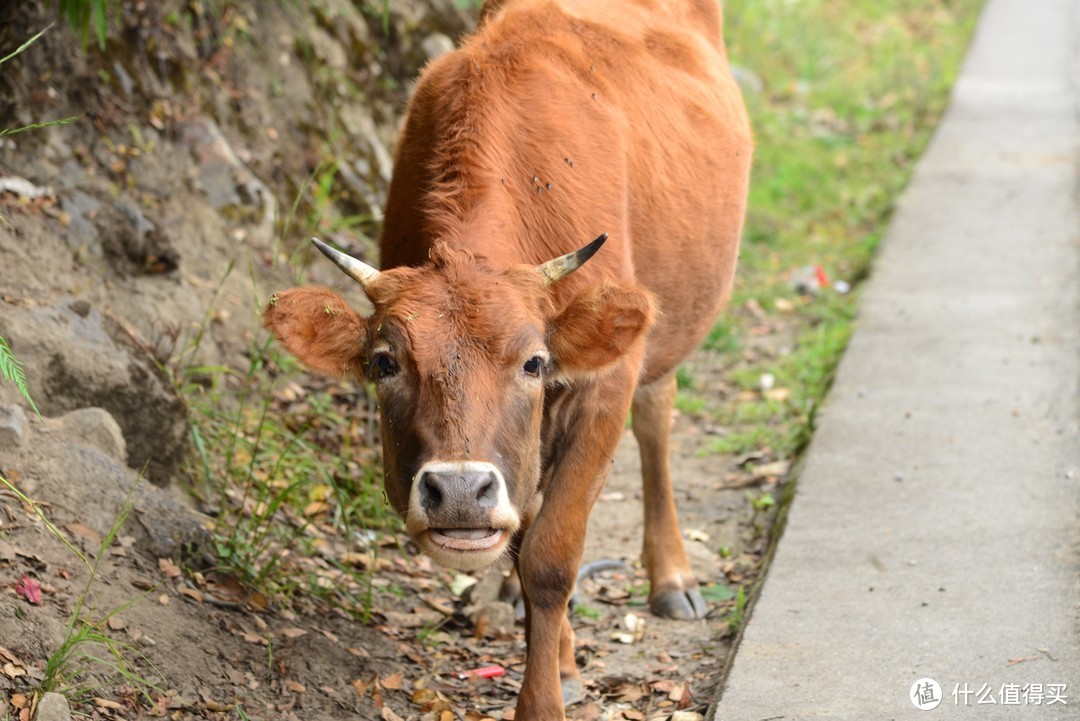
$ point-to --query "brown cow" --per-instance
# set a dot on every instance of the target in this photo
(504, 377)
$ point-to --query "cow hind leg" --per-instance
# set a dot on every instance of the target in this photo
(673, 587)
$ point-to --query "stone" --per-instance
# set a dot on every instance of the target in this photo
(12, 427)
(52, 707)
(77, 357)
(96, 428)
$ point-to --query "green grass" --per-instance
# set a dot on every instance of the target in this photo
(285, 476)
(848, 96)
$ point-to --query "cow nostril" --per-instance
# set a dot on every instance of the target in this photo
(430, 494)
(488, 492)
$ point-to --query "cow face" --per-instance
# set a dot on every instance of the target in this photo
(460, 354)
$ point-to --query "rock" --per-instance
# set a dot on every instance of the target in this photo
(435, 45)
(229, 184)
(135, 245)
(95, 428)
(77, 357)
(52, 707)
(77, 461)
(12, 427)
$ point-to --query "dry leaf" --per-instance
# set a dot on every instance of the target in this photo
(10, 656)
(211, 705)
(20, 700)
(389, 715)
(192, 593)
(295, 687)
(13, 671)
(170, 569)
(315, 508)
(106, 703)
(83, 531)
(392, 682)
(29, 589)
(361, 686)
(293, 632)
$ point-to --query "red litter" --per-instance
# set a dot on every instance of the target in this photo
(822, 279)
(484, 672)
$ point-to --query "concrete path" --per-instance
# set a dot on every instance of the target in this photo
(935, 530)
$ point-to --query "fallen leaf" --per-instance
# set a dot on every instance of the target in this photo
(695, 534)
(20, 700)
(83, 531)
(389, 715)
(315, 508)
(29, 589)
(423, 696)
(10, 656)
(460, 582)
(170, 569)
(106, 703)
(13, 671)
(117, 624)
(216, 707)
(295, 687)
(192, 593)
(392, 682)
(293, 632)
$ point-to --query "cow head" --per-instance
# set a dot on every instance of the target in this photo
(460, 354)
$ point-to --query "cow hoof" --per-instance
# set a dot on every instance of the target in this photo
(679, 604)
(572, 691)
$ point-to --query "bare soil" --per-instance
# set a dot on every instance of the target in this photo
(198, 134)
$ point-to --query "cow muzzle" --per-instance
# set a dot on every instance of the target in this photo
(460, 513)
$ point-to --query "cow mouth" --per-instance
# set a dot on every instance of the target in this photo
(466, 539)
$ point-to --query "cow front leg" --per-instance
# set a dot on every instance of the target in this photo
(584, 439)
(673, 591)
(548, 574)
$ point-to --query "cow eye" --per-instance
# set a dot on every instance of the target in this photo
(533, 367)
(383, 366)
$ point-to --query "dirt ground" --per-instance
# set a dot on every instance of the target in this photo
(196, 135)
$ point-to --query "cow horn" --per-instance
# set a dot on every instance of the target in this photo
(361, 272)
(564, 265)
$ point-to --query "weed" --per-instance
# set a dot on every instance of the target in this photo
(12, 370)
(738, 614)
(69, 668)
(843, 97)
(87, 15)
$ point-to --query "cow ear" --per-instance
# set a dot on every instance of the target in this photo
(599, 327)
(318, 327)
